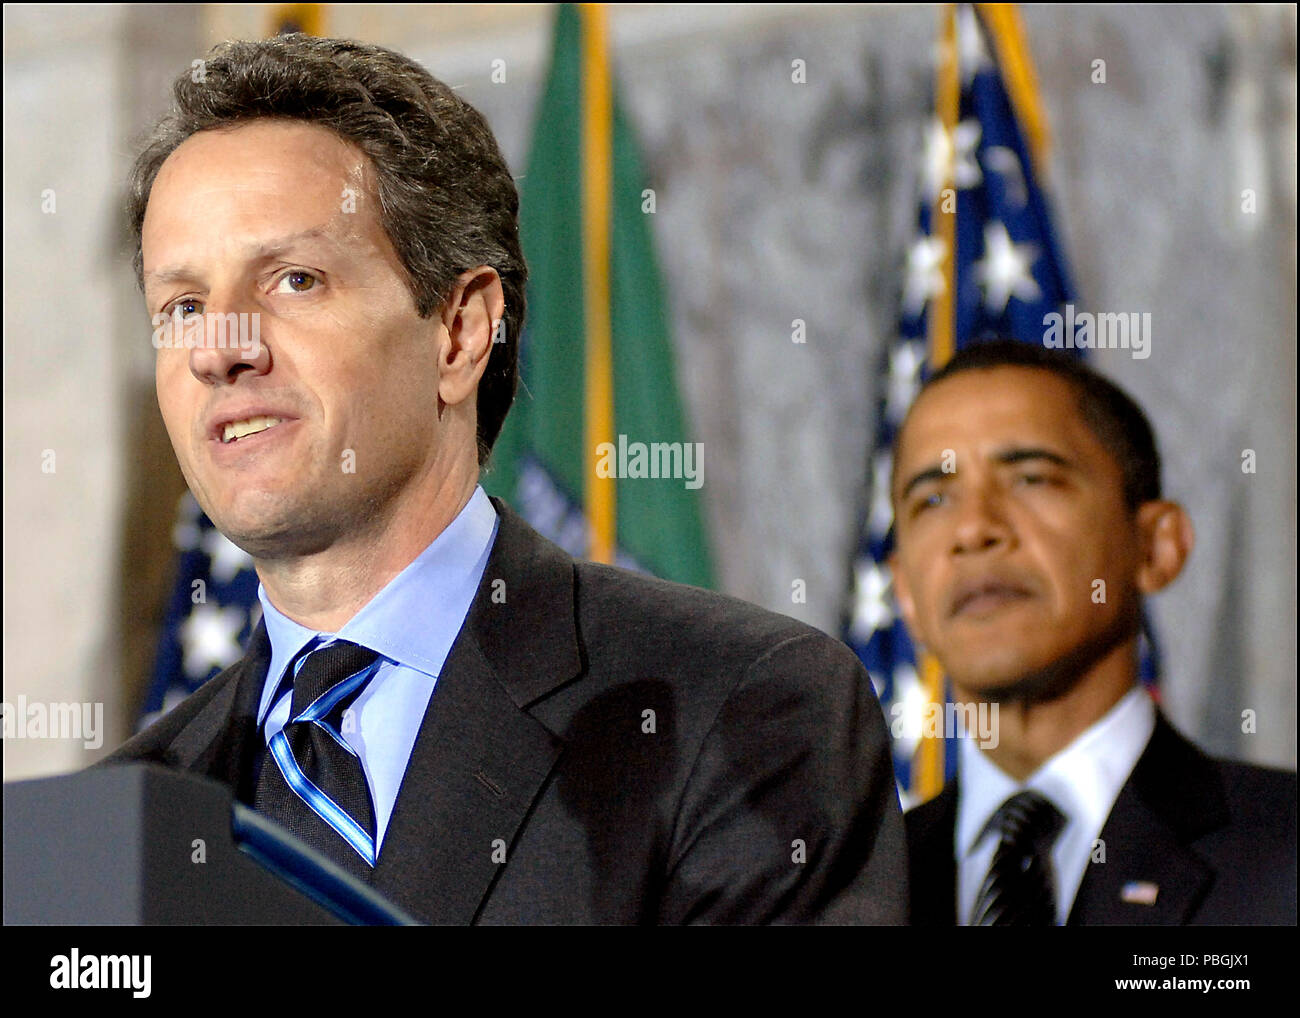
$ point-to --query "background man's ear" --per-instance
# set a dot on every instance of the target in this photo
(1167, 540)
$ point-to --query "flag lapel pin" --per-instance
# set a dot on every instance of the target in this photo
(1139, 892)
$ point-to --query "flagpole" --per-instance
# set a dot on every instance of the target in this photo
(1007, 32)
(308, 18)
(928, 776)
(597, 168)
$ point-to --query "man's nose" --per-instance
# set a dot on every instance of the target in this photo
(231, 344)
(980, 523)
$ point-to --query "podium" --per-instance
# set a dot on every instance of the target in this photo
(138, 844)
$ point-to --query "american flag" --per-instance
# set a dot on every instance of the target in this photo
(211, 613)
(984, 263)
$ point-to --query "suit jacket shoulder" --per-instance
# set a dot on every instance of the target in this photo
(1217, 838)
(721, 747)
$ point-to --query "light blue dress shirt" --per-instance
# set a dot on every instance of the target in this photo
(412, 623)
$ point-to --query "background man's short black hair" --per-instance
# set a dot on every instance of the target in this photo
(445, 196)
(1111, 414)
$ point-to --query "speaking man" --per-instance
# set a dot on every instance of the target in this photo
(1029, 526)
(438, 699)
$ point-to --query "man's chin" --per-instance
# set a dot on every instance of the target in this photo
(1026, 680)
(266, 538)
(1027, 686)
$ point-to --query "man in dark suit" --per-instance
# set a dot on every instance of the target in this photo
(437, 698)
(1029, 526)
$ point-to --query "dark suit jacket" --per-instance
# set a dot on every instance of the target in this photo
(1217, 838)
(640, 751)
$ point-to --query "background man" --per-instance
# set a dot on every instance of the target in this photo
(1030, 524)
(438, 699)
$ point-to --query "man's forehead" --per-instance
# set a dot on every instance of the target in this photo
(986, 409)
(254, 189)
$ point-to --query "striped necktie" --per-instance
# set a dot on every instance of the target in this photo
(1018, 890)
(312, 781)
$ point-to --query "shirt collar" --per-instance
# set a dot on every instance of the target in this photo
(1082, 780)
(415, 618)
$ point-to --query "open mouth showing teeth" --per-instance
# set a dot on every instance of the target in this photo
(236, 430)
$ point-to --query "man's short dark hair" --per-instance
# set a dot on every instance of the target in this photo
(446, 198)
(1110, 413)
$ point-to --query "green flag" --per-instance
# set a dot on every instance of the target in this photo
(583, 418)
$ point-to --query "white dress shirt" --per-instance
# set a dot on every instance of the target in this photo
(1082, 781)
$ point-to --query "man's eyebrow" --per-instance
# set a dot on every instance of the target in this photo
(1006, 457)
(265, 249)
(1021, 454)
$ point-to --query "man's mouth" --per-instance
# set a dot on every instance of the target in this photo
(982, 597)
(236, 430)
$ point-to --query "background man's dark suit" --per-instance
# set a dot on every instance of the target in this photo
(1218, 838)
(767, 736)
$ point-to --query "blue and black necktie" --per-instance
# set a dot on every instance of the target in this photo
(1019, 888)
(312, 781)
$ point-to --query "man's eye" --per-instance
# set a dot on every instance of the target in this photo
(296, 282)
(930, 501)
(1032, 478)
(186, 307)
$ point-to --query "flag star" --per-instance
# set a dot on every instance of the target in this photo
(1005, 271)
(1006, 164)
(950, 156)
(185, 536)
(910, 701)
(905, 362)
(210, 638)
(925, 278)
(972, 55)
(227, 558)
(936, 159)
(966, 171)
(871, 606)
(881, 516)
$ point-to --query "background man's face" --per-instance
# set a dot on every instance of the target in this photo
(997, 560)
(276, 218)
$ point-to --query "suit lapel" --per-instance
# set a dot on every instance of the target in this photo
(221, 738)
(481, 759)
(932, 866)
(1173, 795)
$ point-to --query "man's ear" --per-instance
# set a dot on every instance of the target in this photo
(472, 316)
(1167, 540)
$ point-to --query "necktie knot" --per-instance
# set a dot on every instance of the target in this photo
(326, 677)
(1027, 818)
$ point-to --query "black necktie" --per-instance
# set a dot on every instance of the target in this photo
(312, 781)
(1018, 890)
